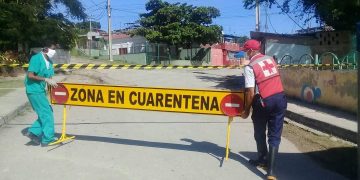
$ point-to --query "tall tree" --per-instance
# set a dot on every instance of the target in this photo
(84, 27)
(342, 15)
(33, 22)
(178, 24)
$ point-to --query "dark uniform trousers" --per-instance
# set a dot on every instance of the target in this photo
(268, 112)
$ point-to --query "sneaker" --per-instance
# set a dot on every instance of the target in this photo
(271, 178)
(258, 163)
(33, 138)
(47, 144)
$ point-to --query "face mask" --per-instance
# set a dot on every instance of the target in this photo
(51, 53)
(248, 53)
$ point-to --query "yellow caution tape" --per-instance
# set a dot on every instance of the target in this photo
(122, 66)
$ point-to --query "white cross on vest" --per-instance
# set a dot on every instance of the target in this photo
(268, 67)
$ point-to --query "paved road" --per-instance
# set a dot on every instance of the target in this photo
(131, 144)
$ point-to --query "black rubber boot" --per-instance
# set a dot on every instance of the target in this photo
(271, 163)
(261, 161)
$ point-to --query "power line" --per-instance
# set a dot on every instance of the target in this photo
(293, 28)
(126, 11)
(268, 17)
(272, 25)
(288, 15)
(100, 16)
(97, 4)
(96, 7)
(245, 16)
(99, 9)
(131, 5)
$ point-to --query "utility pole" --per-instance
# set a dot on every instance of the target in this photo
(358, 114)
(266, 16)
(90, 38)
(257, 11)
(109, 30)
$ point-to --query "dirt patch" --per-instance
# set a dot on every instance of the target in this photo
(331, 153)
(11, 71)
(85, 76)
(87, 60)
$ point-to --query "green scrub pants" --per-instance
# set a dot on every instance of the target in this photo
(44, 125)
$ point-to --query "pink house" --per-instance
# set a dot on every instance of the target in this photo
(223, 54)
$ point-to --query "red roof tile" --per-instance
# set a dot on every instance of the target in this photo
(116, 36)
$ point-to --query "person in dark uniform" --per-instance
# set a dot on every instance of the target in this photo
(265, 94)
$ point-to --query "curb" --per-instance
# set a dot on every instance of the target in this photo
(8, 117)
(21, 107)
(342, 133)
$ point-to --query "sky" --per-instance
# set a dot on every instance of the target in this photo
(234, 19)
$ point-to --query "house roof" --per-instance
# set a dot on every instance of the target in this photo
(116, 36)
(235, 47)
(262, 35)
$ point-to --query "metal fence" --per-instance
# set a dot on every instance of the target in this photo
(154, 53)
(164, 54)
(349, 61)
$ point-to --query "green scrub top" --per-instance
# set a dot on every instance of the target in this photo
(37, 65)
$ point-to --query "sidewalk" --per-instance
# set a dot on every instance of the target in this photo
(326, 120)
(12, 104)
(15, 102)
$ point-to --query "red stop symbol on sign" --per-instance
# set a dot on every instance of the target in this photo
(60, 94)
(232, 105)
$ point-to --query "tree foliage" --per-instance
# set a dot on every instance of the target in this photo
(242, 39)
(178, 24)
(84, 27)
(342, 15)
(32, 23)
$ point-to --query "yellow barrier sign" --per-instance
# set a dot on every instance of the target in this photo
(149, 98)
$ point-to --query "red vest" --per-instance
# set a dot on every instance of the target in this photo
(267, 76)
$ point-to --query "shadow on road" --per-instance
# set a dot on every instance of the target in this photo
(342, 160)
(137, 122)
(293, 166)
(233, 83)
(212, 149)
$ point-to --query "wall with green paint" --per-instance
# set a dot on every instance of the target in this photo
(139, 58)
(336, 88)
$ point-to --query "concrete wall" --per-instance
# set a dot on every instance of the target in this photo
(337, 42)
(61, 57)
(133, 40)
(183, 63)
(138, 59)
(97, 52)
(327, 87)
(217, 57)
(134, 44)
(132, 58)
(278, 49)
(199, 54)
(217, 54)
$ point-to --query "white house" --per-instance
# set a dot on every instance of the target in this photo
(124, 44)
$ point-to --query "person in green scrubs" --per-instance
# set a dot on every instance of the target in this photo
(39, 74)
